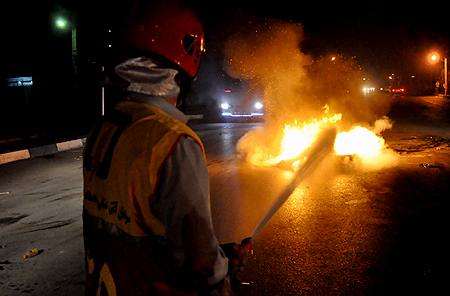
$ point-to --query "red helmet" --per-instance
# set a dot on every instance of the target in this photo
(171, 31)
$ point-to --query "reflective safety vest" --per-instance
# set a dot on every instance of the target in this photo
(126, 252)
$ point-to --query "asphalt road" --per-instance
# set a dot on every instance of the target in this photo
(342, 232)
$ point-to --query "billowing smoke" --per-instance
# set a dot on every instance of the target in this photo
(382, 124)
(297, 88)
(268, 55)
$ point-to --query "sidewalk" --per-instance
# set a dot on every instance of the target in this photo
(62, 146)
(41, 151)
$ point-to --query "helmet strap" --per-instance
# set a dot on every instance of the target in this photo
(184, 83)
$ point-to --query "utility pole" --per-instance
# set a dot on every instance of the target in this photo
(445, 77)
(74, 48)
(103, 93)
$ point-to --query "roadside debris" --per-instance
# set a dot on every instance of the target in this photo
(432, 165)
(31, 253)
(4, 262)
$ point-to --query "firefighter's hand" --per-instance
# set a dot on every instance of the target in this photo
(237, 255)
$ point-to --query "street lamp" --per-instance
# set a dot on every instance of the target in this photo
(434, 57)
(63, 23)
(445, 77)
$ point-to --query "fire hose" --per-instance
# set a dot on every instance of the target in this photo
(322, 147)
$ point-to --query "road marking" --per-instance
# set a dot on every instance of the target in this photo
(14, 156)
(63, 146)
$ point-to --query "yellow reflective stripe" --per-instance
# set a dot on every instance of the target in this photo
(102, 143)
(90, 264)
(197, 139)
(162, 150)
(177, 127)
(107, 279)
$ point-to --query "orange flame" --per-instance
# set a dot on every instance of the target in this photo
(359, 141)
(296, 138)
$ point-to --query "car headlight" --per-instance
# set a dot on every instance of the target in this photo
(225, 106)
(258, 105)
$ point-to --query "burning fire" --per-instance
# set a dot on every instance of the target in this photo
(293, 85)
(296, 138)
(360, 142)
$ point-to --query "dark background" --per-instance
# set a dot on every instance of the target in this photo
(65, 98)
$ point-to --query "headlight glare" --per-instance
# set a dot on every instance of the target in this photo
(258, 105)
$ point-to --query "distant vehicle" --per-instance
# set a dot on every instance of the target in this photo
(240, 103)
(250, 109)
(397, 90)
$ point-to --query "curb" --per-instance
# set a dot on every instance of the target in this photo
(41, 151)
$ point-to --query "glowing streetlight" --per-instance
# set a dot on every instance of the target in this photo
(434, 57)
(61, 23)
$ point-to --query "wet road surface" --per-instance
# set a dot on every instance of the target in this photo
(342, 232)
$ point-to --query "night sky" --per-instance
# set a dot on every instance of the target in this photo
(384, 37)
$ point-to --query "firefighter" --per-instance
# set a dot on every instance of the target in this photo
(146, 213)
